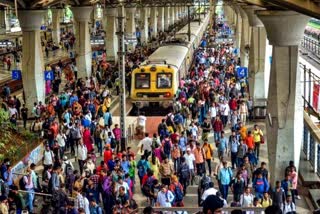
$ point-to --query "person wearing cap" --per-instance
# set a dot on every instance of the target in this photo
(64, 164)
(212, 205)
(190, 160)
(210, 191)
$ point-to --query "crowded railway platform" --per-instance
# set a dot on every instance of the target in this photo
(172, 124)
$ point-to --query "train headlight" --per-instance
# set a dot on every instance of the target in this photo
(139, 95)
(167, 94)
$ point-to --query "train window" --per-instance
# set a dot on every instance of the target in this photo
(142, 81)
(164, 80)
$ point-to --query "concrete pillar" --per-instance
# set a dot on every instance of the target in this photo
(111, 39)
(145, 25)
(7, 20)
(173, 15)
(176, 9)
(257, 55)
(167, 18)
(82, 17)
(2, 21)
(238, 28)
(285, 105)
(56, 25)
(32, 63)
(154, 22)
(131, 28)
(245, 38)
(160, 26)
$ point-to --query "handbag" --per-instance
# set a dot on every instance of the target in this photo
(261, 139)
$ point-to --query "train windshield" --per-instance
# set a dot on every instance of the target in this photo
(164, 80)
(142, 81)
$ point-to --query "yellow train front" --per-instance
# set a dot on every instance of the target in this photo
(153, 84)
(157, 79)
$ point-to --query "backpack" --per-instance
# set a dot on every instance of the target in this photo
(184, 171)
(147, 187)
(68, 169)
(141, 169)
(204, 183)
(178, 194)
(154, 143)
(167, 147)
(113, 143)
(22, 184)
(74, 133)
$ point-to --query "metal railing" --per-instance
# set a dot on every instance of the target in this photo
(311, 44)
(198, 210)
(311, 132)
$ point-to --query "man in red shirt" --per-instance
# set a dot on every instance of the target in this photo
(217, 128)
(107, 155)
(233, 104)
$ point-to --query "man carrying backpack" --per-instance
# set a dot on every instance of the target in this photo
(67, 166)
(177, 190)
(184, 174)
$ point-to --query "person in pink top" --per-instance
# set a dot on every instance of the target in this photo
(87, 139)
(157, 152)
(294, 180)
(117, 135)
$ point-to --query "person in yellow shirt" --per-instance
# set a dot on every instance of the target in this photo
(107, 102)
(243, 131)
(266, 201)
(208, 153)
(257, 134)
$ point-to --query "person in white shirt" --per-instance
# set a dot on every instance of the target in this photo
(213, 112)
(142, 122)
(61, 139)
(224, 110)
(289, 206)
(13, 111)
(246, 199)
(82, 155)
(48, 157)
(165, 197)
(190, 160)
(146, 145)
(119, 184)
(210, 191)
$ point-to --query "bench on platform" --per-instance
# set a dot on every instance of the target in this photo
(315, 197)
(306, 173)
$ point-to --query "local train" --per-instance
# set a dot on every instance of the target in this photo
(156, 80)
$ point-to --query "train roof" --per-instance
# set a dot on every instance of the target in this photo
(194, 28)
(172, 54)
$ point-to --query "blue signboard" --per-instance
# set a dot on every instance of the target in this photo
(242, 72)
(48, 75)
(43, 27)
(16, 74)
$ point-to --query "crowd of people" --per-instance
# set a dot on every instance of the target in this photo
(211, 100)
(75, 122)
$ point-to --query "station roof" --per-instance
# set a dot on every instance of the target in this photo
(307, 7)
